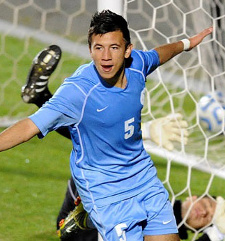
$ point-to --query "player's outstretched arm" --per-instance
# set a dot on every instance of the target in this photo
(18, 133)
(197, 39)
(168, 51)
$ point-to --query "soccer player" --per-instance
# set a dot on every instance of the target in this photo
(101, 104)
(201, 213)
(163, 131)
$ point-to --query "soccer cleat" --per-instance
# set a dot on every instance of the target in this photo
(75, 221)
(42, 67)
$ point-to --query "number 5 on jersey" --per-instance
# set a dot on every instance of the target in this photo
(129, 128)
(120, 231)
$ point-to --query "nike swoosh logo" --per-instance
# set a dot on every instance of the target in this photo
(100, 110)
(166, 222)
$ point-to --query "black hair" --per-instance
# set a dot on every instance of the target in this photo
(107, 21)
(177, 213)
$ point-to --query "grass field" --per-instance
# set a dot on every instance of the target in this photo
(33, 179)
(33, 176)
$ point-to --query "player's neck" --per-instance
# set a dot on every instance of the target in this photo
(122, 81)
(119, 80)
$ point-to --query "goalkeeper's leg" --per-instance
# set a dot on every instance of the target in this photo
(36, 91)
(72, 221)
(36, 88)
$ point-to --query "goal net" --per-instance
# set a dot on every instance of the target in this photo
(176, 87)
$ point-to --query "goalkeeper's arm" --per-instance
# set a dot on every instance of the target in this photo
(217, 231)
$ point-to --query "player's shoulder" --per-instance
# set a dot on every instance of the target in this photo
(140, 57)
(85, 71)
(142, 60)
(83, 79)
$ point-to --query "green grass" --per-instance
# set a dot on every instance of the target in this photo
(33, 176)
(15, 63)
(33, 179)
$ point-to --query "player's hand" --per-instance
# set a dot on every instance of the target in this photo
(219, 216)
(166, 130)
(197, 39)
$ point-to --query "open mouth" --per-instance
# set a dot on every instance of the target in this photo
(107, 68)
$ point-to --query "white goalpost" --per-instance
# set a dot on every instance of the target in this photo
(115, 6)
(175, 87)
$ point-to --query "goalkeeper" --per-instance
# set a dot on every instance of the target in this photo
(164, 131)
(203, 214)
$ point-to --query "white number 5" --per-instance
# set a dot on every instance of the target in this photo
(129, 128)
(120, 232)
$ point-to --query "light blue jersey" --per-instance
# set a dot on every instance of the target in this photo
(108, 160)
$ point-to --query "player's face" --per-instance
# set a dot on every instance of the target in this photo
(201, 213)
(108, 52)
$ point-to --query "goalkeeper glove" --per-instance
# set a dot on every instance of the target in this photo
(217, 231)
(163, 131)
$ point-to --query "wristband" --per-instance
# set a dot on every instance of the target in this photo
(186, 43)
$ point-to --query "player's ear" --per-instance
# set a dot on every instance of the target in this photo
(90, 51)
(128, 51)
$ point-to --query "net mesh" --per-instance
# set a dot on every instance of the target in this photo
(177, 87)
(26, 27)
